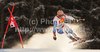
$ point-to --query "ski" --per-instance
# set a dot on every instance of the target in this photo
(81, 41)
(74, 41)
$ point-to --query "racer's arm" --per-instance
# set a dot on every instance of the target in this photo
(71, 18)
(54, 27)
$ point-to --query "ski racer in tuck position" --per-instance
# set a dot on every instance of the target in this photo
(60, 27)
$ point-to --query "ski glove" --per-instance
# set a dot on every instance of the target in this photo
(76, 20)
(54, 37)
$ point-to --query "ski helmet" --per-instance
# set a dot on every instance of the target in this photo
(60, 13)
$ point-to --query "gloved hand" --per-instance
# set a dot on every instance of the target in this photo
(76, 20)
(54, 37)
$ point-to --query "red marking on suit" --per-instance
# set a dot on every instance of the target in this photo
(62, 20)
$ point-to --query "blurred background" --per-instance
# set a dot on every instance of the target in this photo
(27, 11)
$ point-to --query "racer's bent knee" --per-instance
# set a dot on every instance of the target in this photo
(70, 31)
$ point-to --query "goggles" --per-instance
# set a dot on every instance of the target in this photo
(61, 15)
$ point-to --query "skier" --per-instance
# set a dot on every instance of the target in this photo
(58, 24)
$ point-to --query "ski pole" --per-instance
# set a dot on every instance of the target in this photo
(82, 19)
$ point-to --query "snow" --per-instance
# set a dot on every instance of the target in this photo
(46, 50)
(45, 43)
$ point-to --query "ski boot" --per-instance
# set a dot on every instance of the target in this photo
(79, 39)
(73, 39)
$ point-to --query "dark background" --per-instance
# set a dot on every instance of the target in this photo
(36, 9)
